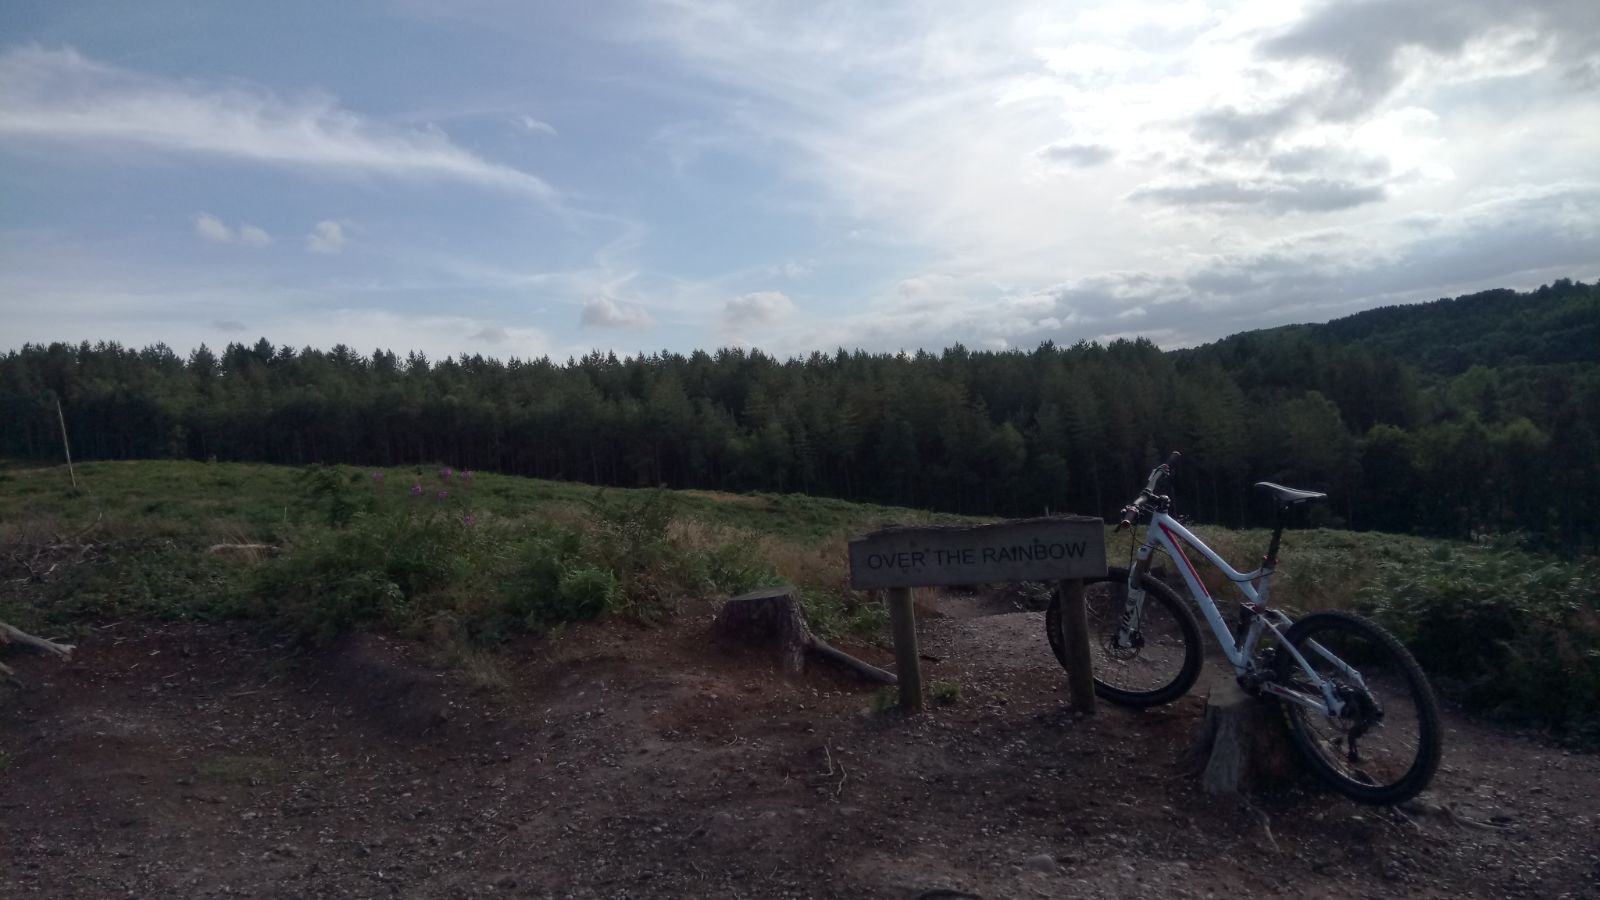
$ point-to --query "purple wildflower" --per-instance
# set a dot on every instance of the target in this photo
(416, 489)
(377, 476)
(443, 494)
(445, 473)
(467, 520)
(467, 474)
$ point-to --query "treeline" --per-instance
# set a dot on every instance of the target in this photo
(1399, 448)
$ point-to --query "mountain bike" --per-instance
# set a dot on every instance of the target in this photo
(1358, 707)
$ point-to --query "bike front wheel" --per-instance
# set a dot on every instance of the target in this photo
(1384, 746)
(1165, 658)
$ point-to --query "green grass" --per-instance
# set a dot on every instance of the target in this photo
(499, 555)
(192, 499)
(1511, 633)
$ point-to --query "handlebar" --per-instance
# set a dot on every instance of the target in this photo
(1155, 487)
(1161, 473)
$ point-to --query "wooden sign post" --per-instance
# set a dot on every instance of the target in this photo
(1067, 549)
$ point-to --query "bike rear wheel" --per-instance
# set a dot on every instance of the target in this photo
(1165, 661)
(1385, 747)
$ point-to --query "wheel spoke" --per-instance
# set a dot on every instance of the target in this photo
(1162, 660)
(1383, 744)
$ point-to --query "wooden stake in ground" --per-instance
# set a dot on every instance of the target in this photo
(11, 635)
(773, 616)
(64, 445)
(1075, 624)
(903, 621)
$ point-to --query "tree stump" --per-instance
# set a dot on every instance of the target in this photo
(1242, 744)
(772, 616)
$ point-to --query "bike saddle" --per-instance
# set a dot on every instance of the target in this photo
(1288, 496)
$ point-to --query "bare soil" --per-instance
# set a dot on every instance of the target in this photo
(615, 761)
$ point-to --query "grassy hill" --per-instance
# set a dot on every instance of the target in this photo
(472, 560)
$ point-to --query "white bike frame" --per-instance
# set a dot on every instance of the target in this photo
(1167, 534)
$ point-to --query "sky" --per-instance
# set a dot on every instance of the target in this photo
(522, 179)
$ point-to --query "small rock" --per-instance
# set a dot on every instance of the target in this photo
(506, 882)
(1040, 862)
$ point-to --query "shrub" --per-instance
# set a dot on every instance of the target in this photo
(373, 570)
(630, 538)
(1502, 631)
(371, 559)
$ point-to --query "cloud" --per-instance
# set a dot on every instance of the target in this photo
(1280, 196)
(1361, 53)
(230, 325)
(1080, 155)
(494, 334)
(65, 98)
(253, 235)
(605, 312)
(537, 126)
(1233, 127)
(1327, 160)
(211, 228)
(1516, 240)
(759, 308)
(327, 238)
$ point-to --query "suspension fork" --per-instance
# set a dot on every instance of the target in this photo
(1133, 607)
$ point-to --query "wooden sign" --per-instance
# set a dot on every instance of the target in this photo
(1047, 549)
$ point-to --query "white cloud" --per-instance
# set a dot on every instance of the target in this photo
(980, 136)
(537, 126)
(253, 235)
(62, 97)
(1079, 155)
(759, 308)
(326, 238)
(1518, 240)
(606, 312)
(213, 229)
(438, 336)
(144, 307)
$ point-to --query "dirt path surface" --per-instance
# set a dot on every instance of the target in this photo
(183, 761)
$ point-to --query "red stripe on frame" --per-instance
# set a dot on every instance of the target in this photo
(1177, 548)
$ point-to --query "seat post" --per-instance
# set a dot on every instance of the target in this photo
(1277, 535)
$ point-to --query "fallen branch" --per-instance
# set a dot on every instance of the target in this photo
(1266, 825)
(242, 549)
(1447, 812)
(860, 667)
(10, 634)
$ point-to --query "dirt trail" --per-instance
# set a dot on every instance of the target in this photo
(183, 761)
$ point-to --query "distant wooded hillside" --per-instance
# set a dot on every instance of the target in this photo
(1558, 323)
(1479, 413)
